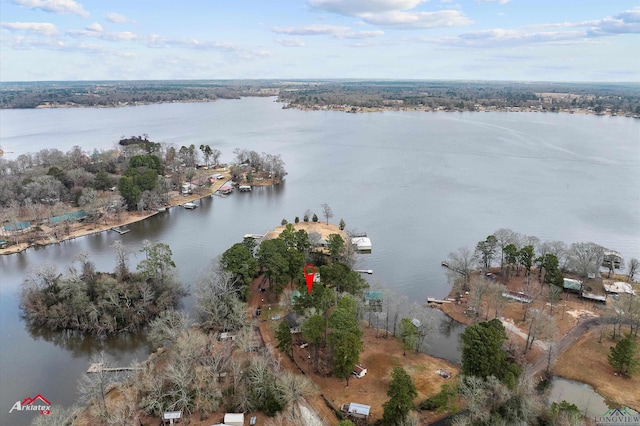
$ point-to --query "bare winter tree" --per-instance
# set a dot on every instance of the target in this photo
(60, 416)
(122, 260)
(632, 269)
(461, 262)
(540, 326)
(326, 212)
(496, 300)
(479, 287)
(217, 304)
(554, 295)
(93, 387)
(166, 328)
(491, 402)
(585, 258)
(504, 237)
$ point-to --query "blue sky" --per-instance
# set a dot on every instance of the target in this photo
(561, 40)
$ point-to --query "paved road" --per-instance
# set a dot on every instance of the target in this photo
(561, 345)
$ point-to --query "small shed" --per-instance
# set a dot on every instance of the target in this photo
(234, 419)
(354, 409)
(359, 371)
(171, 417)
(226, 336)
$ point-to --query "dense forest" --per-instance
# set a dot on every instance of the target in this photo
(354, 95)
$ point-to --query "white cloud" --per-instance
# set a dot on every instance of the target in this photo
(627, 22)
(397, 14)
(493, 1)
(104, 35)
(94, 27)
(335, 31)
(361, 34)
(28, 43)
(236, 51)
(413, 20)
(311, 30)
(290, 42)
(116, 18)
(42, 28)
(504, 37)
(54, 6)
(357, 7)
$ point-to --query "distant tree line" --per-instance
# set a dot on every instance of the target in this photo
(615, 98)
(465, 96)
(119, 93)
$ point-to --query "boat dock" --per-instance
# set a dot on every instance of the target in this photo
(362, 242)
(98, 367)
(453, 268)
(431, 300)
(121, 230)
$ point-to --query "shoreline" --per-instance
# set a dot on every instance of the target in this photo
(84, 229)
(347, 108)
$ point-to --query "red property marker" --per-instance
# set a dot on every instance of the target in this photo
(309, 276)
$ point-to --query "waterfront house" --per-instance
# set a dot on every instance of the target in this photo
(226, 189)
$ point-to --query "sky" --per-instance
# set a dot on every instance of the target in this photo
(520, 40)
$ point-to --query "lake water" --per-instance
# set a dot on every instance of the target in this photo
(590, 403)
(420, 184)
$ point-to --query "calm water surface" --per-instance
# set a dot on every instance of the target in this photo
(420, 184)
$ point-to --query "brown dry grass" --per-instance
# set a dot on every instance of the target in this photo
(321, 228)
(586, 361)
(381, 355)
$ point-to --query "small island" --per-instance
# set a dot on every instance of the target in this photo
(98, 303)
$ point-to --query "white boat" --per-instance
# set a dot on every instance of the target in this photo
(189, 205)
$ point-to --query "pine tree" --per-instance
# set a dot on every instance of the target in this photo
(623, 357)
(285, 342)
(401, 394)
